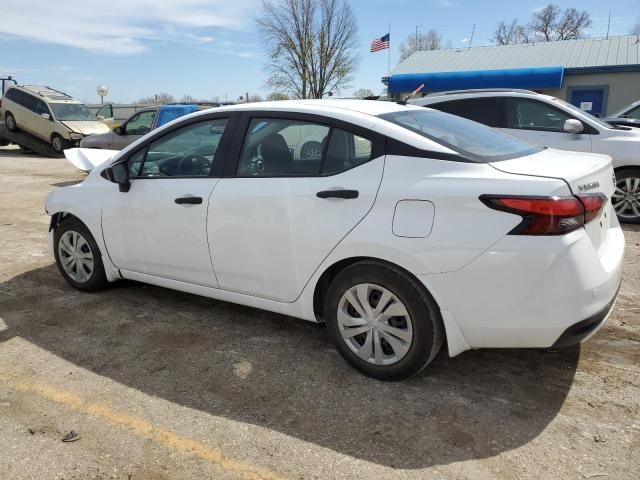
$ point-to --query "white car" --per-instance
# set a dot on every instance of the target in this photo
(443, 231)
(550, 122)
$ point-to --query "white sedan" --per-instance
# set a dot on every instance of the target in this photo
(435, 229)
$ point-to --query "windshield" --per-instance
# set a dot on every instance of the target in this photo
(575, 109)
(472, 140)
(72, 112)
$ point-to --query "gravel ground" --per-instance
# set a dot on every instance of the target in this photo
(166, 385)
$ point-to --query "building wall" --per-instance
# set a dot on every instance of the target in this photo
(624, 87)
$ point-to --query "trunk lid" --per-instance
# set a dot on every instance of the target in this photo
(585, 173)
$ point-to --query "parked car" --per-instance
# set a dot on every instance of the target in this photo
(629, 116)
(50, 115)
(137, 125)
(550, 122)
(391, 247)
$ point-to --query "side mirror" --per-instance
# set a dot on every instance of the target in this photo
(46, 116)
(119, 173)
(100, 117)
(119, 130)
(573, 126)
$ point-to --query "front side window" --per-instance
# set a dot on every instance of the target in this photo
(483, 110)
(187, 152)
(41, 108)
(527, 114)
(72, 112)
(140, 124)
(633, 113)
(472, 140)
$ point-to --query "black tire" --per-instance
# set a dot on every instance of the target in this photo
(428, 330)
(97, 279)
(4, 142)
(10, 122)
(627, 214)
(311, 151)
(58, 143)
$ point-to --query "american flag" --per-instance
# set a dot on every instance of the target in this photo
(381, 43)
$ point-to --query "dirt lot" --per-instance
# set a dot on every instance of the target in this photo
(166, 385)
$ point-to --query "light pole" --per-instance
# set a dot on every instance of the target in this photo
(102, 92)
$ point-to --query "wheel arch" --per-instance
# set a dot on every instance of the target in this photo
(626, 168)
(453, 337)
(334, 269)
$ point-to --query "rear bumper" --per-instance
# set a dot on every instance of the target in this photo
(531, 292)
(581, 331)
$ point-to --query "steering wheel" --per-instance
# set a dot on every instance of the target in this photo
(192, 164)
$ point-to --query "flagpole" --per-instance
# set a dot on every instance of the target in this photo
(389, 53)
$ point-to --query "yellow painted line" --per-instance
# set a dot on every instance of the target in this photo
(142, 428)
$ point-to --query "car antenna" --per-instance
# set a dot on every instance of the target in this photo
(415, 92)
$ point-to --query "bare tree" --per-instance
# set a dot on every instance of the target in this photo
(547, 24)
(431, 40)
(188, 99)
(255, 98)
(552, 24)
(311, 45)
(363, 93)
(635, 30)
(508, 33)
(275, 96)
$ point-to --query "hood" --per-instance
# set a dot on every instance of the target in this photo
(86, 127)
(86, 159)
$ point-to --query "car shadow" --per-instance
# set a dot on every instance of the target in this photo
(280, 373)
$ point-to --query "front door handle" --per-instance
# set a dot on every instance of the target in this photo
(189, 200)
(346, 194)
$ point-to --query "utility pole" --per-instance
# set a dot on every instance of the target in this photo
(472, 33)
(608, 24)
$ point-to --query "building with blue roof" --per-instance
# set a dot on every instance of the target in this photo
(600, 75)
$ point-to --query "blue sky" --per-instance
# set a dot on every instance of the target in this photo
(209, 48)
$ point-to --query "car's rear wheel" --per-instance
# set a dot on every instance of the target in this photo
(382, 320)
(58, 143)
(10, 122)
(626, 198)
(78, 256)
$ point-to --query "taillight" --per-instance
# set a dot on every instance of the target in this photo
(548, 215)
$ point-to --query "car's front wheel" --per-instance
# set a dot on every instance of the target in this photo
(78, 256)
(10, 122)
(58, 143)
(382, 320)
(626, 198)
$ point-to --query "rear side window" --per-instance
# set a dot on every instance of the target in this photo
(345, 151)
(278, 147)
(488, 111)
(13, 95)
(28, 101)
(472, 140)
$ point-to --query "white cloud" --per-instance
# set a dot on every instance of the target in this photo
(121, 26)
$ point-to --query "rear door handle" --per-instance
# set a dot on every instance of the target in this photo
(346, 194)
(189, 200)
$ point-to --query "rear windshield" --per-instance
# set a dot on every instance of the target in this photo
(472, 140)
(72, 112)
